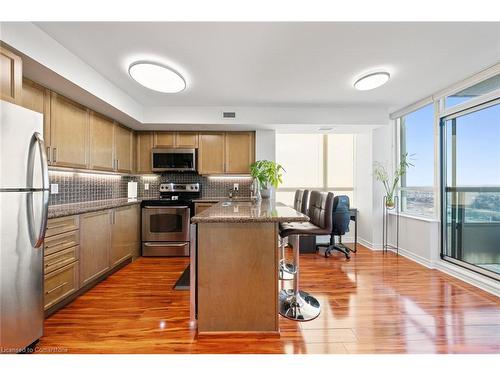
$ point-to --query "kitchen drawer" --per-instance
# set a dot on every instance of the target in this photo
(60, 284)
(61, 241)
(62, 225)
(60, 259)
(172, 249)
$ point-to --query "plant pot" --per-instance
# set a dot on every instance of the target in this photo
(266, 193)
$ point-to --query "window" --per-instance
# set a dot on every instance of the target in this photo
(417, 141)
(470, 144)
(322, 162)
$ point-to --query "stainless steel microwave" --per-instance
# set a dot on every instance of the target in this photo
(173, 159)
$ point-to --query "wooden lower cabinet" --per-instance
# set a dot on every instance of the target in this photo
(81, 250)
(60, 284)
(95, 240)
(125, 234)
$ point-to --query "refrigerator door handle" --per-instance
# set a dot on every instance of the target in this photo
(38, 237)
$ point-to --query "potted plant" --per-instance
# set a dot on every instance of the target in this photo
(391, 182)
(268, 175)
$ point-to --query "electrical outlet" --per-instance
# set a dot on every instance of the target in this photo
(54, 188)
(146, 186)
(236, 187)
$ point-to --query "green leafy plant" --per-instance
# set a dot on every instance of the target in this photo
(267, 172)
(391, 182)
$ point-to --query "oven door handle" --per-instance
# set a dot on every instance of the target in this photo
(162, 244)
(165, 207)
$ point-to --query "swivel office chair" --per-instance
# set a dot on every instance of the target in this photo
(340, 225)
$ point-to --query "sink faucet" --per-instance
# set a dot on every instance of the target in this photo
(230, 193)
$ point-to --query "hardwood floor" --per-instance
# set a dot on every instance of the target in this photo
(374, 303)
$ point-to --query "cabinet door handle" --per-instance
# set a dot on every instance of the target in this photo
(117, 163)
(57, 287)
(48, 154)
(54, 155)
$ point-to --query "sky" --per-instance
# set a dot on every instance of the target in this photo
(478, 147)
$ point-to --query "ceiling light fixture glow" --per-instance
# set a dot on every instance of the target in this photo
(372, 81)
(157, 77)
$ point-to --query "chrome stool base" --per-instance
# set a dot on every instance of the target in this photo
(285, 275)
(286, 270)
(299, 306)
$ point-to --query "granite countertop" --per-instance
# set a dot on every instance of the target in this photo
(233, 211)
(69, 209)
(218, 199)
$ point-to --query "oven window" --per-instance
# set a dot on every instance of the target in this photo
(175, 161)
(165, 223)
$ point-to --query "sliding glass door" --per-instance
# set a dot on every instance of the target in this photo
(470, 180)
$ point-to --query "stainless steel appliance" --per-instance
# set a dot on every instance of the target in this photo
(173, 160)
(24, 199)
(166, 221)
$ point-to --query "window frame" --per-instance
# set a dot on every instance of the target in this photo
(486, 101)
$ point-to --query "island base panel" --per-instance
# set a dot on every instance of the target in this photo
(237, 277)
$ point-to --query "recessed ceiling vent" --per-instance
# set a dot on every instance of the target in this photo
(228, 114)
(325, 129)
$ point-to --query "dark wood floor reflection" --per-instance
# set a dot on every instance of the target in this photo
(374, 303)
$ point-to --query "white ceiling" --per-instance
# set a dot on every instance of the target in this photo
(285, 64)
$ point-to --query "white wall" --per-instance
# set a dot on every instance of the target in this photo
(265, 145)
(363, 187)
(375, 145)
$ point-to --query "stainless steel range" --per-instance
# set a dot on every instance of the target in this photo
(166, 221)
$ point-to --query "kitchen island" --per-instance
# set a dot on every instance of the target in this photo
(237, 262)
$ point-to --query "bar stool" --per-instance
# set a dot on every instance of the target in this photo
(301, 204)
(295, 304)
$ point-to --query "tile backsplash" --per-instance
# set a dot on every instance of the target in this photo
(81, 186)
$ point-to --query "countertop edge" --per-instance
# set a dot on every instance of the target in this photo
(57, 211)
(236, 220)
(203, 218)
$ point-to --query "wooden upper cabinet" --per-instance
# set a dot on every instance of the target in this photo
(101, 143)
(37, 98)
(240, 151)
(144, 146)
(123, 149)
(186, 139)
(164, 139)
(125, 234)
(69, 131)
(11, 76)
(211, 155)
(176, 139)
(33, 96)
(95, 243)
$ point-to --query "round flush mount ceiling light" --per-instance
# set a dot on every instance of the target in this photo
(371, 81)
(157, 77)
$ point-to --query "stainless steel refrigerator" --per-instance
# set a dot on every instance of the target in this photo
(24, 199)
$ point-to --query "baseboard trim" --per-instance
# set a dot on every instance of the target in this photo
(416, 258)
(479, 281)
(369, 245)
